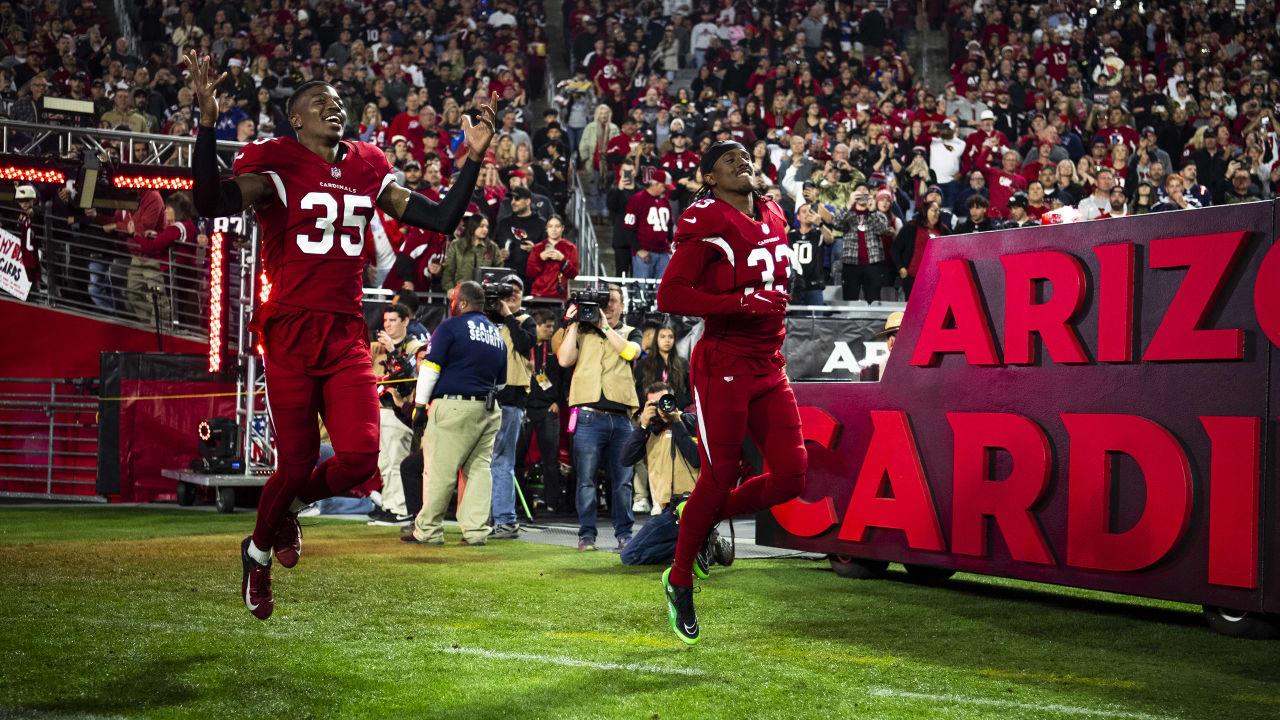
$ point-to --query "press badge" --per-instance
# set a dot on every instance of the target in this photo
(543, 382)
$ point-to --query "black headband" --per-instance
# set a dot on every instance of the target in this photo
(715, 151)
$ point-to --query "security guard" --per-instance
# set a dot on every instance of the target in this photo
(465, 366)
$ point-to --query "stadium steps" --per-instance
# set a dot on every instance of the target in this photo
(929, 52)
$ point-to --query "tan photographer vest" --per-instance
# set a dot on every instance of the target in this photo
(601, 369)
(519, 367)
(667, 467)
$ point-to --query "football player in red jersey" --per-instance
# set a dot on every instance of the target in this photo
(314, 196)
(730, 266)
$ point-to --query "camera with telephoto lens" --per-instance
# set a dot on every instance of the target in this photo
(590, 303)
(400, 374)
(665, 405)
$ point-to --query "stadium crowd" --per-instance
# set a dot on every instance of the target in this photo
(1043, 112)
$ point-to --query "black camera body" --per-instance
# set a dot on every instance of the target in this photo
(665, 406)
(399, 368)
(590, 303)
(497, 285)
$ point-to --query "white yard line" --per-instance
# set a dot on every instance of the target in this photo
(1011, 705)
(571, 662)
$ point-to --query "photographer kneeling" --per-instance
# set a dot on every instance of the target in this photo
(667, 441)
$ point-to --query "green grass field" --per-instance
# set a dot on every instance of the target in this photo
(135, 612)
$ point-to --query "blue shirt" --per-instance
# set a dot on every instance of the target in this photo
(470, 354)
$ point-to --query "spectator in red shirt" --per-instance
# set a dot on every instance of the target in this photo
(552, 262)
(142, 229)
(986, 139)
(1003, 182)
(648, 219)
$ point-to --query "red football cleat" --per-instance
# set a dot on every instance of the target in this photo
(255, 587)
(288, 542)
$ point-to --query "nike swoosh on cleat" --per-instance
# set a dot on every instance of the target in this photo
(247, 603)
(690, 630)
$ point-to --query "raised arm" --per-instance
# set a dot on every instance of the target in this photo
(418, 210)
(215, 197)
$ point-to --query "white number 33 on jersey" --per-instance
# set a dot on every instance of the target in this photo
(769, 260)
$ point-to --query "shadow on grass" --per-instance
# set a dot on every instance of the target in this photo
(147, 685)
(1094, 606)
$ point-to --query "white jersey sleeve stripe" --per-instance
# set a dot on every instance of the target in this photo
(279, 183)
(724, 247)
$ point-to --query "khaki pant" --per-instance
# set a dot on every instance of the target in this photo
(145, 274)
(459, 436)
(393, 447)
(640, 482)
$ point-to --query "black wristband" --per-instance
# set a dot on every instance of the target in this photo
(213, 197)
(443, 217)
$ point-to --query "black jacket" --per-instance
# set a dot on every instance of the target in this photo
(967, 226)
(904, 245)
(683, 436)
(544, 361)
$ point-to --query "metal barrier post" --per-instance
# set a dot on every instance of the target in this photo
(48, 483)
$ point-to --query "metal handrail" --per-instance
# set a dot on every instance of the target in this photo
(24, 138)
(63, 396)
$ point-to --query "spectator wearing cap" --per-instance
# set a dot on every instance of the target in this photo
(946, 153)
(890, 336)
(543, 206)
(520, 231)
(986, 141)
(519, 335)
(230, 115)
(977, 221)
(647, 223)
(1212, 162)
(933, 194)
(25, 196)
(1017, 215)
(238, 84)
(1190, 178)
(1118, 205)
(681, 164)
(1151, 106)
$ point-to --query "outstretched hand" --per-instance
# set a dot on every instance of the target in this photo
(479, 134)
(204, 88)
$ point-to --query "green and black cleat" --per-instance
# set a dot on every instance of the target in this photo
(684, 621)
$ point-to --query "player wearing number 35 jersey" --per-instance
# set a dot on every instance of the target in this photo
(730, 266)
(314, 198)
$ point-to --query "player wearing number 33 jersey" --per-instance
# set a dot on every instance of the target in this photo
(314, 196)
(730, 266)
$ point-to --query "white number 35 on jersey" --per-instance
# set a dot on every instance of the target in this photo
(352, 236)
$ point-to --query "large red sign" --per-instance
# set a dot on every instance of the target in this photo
(1087, 404)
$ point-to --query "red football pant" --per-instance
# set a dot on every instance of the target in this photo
(346, 397)
(730, 408)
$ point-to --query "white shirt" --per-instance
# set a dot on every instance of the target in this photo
(1093, 206)
(702, 34)
(944, 158)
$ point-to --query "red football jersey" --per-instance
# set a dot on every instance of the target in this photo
(313, 231)
(650, 218)
(743, 255)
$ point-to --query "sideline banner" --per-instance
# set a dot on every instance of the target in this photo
(830, 349)
(1091, 405)
(13, 276)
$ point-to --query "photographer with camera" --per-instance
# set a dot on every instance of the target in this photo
(600, 347)
(394, 364)
(519, 333)
(462, 372)
(664, 440)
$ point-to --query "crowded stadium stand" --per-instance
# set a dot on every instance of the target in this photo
(876, 124)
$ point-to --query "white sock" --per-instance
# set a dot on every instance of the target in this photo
(261, 556)
(297, 505)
